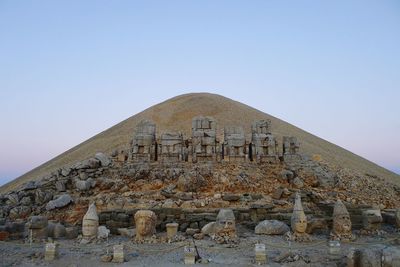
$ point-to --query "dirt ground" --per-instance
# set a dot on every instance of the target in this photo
(71, 253)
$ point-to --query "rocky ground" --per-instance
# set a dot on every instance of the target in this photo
(71, 253)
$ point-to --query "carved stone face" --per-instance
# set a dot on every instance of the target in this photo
(300, 224)
(145, 221)
(226, 226)
(341, 223)
(144, 226)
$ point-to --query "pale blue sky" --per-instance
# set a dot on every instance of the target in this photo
(71, 69)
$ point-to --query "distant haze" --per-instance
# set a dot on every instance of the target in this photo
(71, 69)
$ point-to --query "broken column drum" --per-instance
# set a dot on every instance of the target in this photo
(204, 142)
(234, 144)
(143, 147)
(264, 144)
(171, 147)
(90, 223)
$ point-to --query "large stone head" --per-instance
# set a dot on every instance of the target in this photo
(299, 219)
(145, 221)
(225, 221)
(341, 219)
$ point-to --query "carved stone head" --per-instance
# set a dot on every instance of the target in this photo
(145, 221)
(299, 219)
(341, 219)
(225, 222)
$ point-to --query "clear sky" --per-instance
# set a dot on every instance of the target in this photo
(71, 69)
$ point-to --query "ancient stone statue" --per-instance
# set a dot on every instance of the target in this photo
(90, 223)
(263, 144)
(143, 147)
(234, 144)
(290, 148)
(299, 221)
(145, 221)
(372, 219)
(204, 142)
(171, 147)
(341, 229)
(223, 230)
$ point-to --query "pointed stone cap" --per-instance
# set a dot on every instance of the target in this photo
(91, 213)
(298, 211)
(225, 214)
(339, 209)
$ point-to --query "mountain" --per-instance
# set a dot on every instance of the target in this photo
(176, 114)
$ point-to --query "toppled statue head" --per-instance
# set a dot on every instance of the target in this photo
(341, 221)
(226, 220)
(145, 221)
(299, 219)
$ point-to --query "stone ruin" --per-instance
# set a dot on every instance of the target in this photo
(171, 147)
(144, 146)
(204, 139)
(234, 148)
(203, 146)
(263, 144)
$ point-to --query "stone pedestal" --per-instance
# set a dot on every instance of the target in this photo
(261, 254)
(51, 251)
(119, 254)
(172, 230)
(190, 255)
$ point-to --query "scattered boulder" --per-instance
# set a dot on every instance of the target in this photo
(190, 182)
(104, 160)
(60, 186)
(286, 175)
(102, 232)
(230, 197)
(71, 232)
(298, 182)
(19, 212)
(59, 230)
(127, 232)
(84, 185)
(271, 227)
(60, 202)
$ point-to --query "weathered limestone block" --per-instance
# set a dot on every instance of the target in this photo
(85, 185)
(60, 202)
(90, 223)
(172, 230)
(341, 228)
(271, 227)
(397, 217)
(59, 230)
(290, 148)
(143, 147)
(42, 197)
(263, 144)
(145, 221)
(37, 226)
(51, 251)
(204, 142)
(372, 219)
(119, 254)
(234, 144)
(171, 147)
(260, 254)
(299, 221)
(71, 232)
(374, 257)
